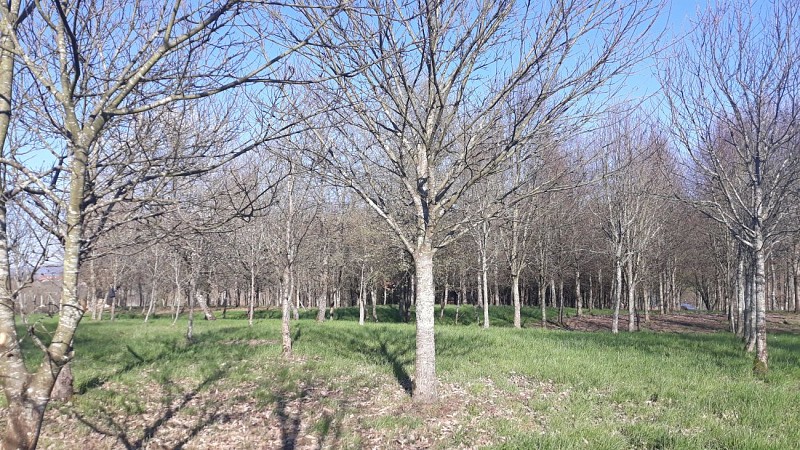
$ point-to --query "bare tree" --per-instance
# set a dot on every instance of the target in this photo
(733, 91)
(88, 64)
(629, 205)
(443, 94)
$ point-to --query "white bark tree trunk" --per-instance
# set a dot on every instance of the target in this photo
(425, 382)
(617, 295)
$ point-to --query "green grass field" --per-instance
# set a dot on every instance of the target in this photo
(142, 385)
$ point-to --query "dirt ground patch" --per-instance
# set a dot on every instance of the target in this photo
(380, 416)
(684, 322)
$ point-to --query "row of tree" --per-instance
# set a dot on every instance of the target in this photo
(193, 154)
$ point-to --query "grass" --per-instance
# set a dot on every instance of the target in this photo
(501, 387)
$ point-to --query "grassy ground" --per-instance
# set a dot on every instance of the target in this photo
(142, 385)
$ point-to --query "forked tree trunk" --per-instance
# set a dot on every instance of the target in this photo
(201, 300)
(425, 382)
(28, 394)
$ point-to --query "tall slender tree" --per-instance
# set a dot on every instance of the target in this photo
(732, 91)
(444, 93)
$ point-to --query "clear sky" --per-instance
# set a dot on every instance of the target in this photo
(676, 21)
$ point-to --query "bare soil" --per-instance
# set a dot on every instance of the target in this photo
(683, 322)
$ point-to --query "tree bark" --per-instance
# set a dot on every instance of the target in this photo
(760, 301)
(740, 294)
(617, 295)
(578, 298)
(286, 300)
(425, 382)
(251, 300)
(631, 296)
(361, 299)
(543, 300)
(516, 298)
(485, 286)
(796, 286)
(322, 300)
(207, 313)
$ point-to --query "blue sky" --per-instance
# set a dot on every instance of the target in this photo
(676, 21)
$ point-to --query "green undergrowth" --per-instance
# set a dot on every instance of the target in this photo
(555, 389)
(467, 315)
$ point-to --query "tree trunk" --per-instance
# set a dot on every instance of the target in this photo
(190, 325)
(543, 300)
(617, 295)
(286, 300)
(750, 306)
(201, 300)
(462, 295)
(740, 294)
(760, 302)
(322, 300)
(496, 287)
(516, 299)
(361, 299)
(444, 297)
(25, 417)
(561, 301)
(425, 383)
(578, 299)
(796, 285)
(631, 296)
(62, 390)
(600, 297)
(373, 293)
(251, 301)
(485, 288)
(27, 394)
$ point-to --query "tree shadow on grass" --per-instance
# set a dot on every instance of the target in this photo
(392, 345)
(376, 344)
(290, 407)
(137, 361)
(171, 349)
(119, 431)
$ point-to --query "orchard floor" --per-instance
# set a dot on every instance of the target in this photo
(684, 322)
(143, 386)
